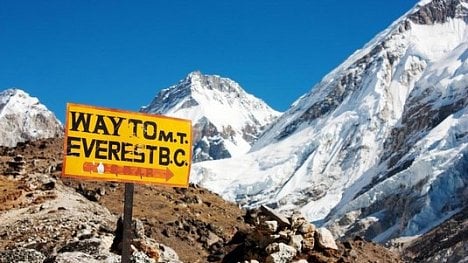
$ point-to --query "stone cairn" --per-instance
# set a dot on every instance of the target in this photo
(277, 238)
(16, 167)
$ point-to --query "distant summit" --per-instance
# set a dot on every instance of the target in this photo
(226, 119)
(24, 118)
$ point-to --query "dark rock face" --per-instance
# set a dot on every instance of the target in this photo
(209, 144)
(439, 11)
(419, 118)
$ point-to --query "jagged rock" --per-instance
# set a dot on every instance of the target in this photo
(325, 238)
(21, 255)
(283, 253)
(282, 220)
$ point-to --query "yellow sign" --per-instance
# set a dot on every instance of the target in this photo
(114, 145)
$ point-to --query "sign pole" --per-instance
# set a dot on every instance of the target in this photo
(127, 223)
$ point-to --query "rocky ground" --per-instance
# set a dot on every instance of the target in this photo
(46, 218)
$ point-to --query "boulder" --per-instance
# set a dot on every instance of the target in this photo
(324, 239)
(284, 254)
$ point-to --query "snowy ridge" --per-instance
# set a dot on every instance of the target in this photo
(390, 122)
(24, 118)
(227, 120)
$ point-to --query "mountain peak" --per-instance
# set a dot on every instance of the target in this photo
(24, 118)
(224, 115)
(196, 81)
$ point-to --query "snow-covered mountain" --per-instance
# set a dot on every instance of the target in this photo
(226, 119)
(24, 118)
(380, 146)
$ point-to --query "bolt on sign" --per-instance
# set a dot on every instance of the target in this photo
(115, 145)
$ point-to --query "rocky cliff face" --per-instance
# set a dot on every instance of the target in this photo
(226, 120)
(378, 148)
(24, 118)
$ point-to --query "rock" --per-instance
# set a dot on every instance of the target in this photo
(19, 158)
(21, 255)
(300, 261)
(296, 242)
(101, 191)
(284, 234)
(324, 239)
(284, 254)
(138, 228)
(48, 186)
(168, 254)
(347, 245)
(281, 219)
(76, 257)
(308, 244)
(272, 248)
(297, 219)
(272, 226)
(306, 228)
(16, 166)
(151, 250)
(212, 239)
(88, 246)
(149, 247)
(140, 257)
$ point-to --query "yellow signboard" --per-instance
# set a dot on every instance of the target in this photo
(114, 145)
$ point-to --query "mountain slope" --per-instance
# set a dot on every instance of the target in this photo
(226, 119)
(379, 146)
(24, 118)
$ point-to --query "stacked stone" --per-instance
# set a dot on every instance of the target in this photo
(282, 238)
(16, 166)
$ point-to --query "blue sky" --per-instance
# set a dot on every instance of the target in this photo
(119, 54)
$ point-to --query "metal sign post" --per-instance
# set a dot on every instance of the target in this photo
(127, 223)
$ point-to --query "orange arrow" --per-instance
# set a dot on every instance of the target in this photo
(128, 170)
(161, 173)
